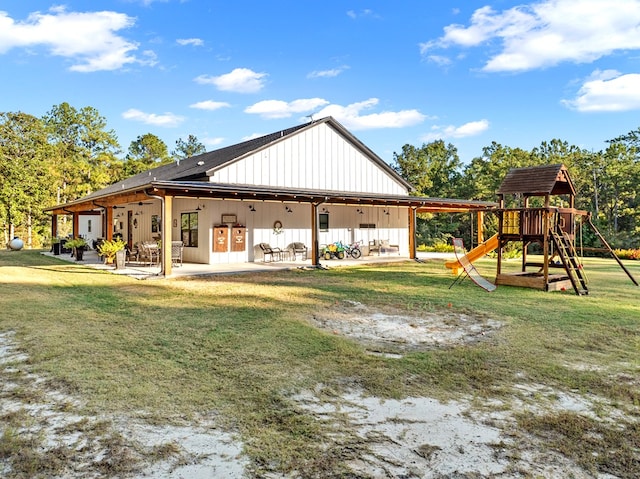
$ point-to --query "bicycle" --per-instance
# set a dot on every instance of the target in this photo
(353, 250)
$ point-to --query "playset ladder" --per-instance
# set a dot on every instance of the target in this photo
(569, 258)
(611, 252)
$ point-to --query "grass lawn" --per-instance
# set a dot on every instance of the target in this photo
(239, 346)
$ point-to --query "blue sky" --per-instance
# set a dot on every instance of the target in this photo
(412, 71)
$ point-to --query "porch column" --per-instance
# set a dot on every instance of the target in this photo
(315, 253)
(54, 225)
(412, 233)
(108, 227)
(76, 224)
(167, 234)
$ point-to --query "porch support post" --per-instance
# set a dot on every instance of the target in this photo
(54, 225)
(412, 232)
(108, 227)
(315, 253)
(166, 235)
(76, 224)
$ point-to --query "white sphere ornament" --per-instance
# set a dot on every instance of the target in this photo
(16, 244)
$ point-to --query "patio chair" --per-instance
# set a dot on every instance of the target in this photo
(275, 254)
(176, 252)
(296, 249)
(148, 252)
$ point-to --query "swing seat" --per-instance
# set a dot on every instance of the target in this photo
(469, 270)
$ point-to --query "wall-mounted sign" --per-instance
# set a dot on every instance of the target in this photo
(229, 219)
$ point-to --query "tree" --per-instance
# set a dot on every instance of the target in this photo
(434, 170)
(25, 187)
(85, 151)
(146, 152)
(189, 148)
(483, 176)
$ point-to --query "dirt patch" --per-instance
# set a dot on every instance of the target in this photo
(382, 332)
(45, 433)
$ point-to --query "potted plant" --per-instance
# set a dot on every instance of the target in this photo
(77, 247)
(113, 249)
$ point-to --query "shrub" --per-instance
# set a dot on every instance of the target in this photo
(628, 253)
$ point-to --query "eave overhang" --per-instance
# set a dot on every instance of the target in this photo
(204, 190)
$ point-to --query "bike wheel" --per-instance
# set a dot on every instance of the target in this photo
(356, 253)
(340, 254)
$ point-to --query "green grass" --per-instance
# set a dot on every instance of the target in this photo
(239, 345)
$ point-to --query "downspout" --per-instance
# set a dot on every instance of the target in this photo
(163, 232)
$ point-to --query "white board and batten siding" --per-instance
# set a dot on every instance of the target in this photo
(318, 158)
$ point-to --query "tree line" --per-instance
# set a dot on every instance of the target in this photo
(69, 153)
(65, 155)
(607, 183)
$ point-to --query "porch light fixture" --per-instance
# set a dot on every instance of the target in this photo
(288, 210)
(324, 210)
(252, 209)
(359, 211)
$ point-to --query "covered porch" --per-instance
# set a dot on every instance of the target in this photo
(232, 220)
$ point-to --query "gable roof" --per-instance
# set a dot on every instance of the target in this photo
(538, 181)
(200, 167)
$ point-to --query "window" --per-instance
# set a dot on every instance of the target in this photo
(155, 224)
(89, 226)
(323, 221)
(189, 229)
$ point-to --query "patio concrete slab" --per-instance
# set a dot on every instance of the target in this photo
(141, 271)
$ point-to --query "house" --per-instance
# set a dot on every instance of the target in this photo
(313, 183)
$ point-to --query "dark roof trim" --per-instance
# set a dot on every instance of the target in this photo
(254, 193)
(257, 193)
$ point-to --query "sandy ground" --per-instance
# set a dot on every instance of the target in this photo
(419, 438)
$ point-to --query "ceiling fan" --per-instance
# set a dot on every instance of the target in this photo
(140, 203)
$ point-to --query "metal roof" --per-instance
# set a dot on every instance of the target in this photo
(200, 167)
(190, 177)
(202, 189)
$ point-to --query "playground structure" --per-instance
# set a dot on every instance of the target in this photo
(553, 228)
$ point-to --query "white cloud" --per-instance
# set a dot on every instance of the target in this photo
(351, 116)
(367, 12)
(547, 33)
(213, 141)
(472, 128)
(607, 90)
(240, 80)
(439, 60)
(209, 105)
(281, 109)
(334, 72)
(88, 39)
(196, 42)
(166, 120)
